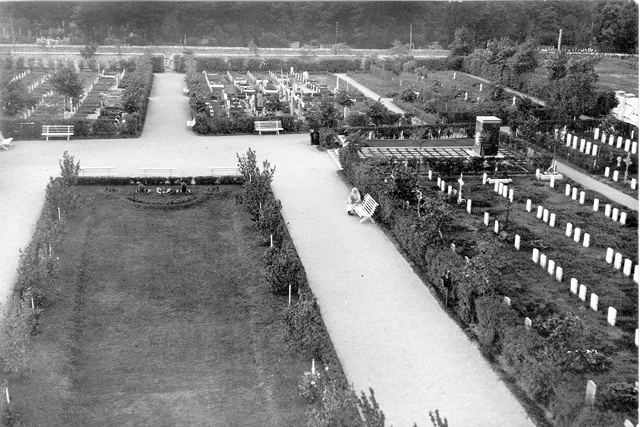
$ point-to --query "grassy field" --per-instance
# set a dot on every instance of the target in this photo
(618, 74)
(161, 318)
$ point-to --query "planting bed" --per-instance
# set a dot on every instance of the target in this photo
(161, 318)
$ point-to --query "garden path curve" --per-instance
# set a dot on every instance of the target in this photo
(388, 102)
(389, 331)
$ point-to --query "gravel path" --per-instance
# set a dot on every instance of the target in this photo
(388, 102)
(389, 331)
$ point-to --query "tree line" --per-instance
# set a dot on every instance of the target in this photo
(604, 25)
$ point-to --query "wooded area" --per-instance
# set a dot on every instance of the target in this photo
(609, 26)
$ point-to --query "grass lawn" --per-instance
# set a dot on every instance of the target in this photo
(161, 318)
(618, 74)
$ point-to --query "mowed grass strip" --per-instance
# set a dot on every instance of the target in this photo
(173, 323)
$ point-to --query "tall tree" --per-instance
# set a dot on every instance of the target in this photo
(66, 81)
(463, 42)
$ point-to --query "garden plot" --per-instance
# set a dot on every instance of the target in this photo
(161, 318)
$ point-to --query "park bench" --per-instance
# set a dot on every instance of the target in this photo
(269, 126)
(5, 142)
(98, 171)
(223, 171)
(146, 172)
(366, 209)
(57, 130)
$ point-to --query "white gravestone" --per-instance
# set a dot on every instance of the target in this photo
(596, 204)
(627, 145)
(617, 261)
(469, 206)
(569, 229)
(574, 286)
(619, 142)
(539, 213)
(516, 242)
(594, 302)
(535, 255)
(551, 267)
(582, 293)
(576, 234)
(574, 194)
(590, 395)
(527, 323)
(484, 178)
(528, 205)
(607, 210)
(545, 215)
(596, 133)
(616, 174)
(587, 240)
(587, 149)
(486, 218)
(496, 227)
(614, 214)
(543, 260)
(507, 301)
(607, 171)
(575, 142)
(583, 143)
(567, 190)
(559, 274)
(594, 150)
(552, 220)
(626, 270)
(582, 196)
(623, 218)
(611, 139)
(609, 257)
(611, 316)
(634, 147)
(511, 195)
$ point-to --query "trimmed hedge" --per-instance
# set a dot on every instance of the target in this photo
(121, 180)
(244, 64)
(206, 125)
(158, 64)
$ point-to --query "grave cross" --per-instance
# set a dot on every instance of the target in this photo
(627, 162)
(461, 183)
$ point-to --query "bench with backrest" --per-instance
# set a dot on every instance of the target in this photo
(366, 209)
(57, 130)
(269, 126)
(146, 172)
(98, 171)
(5, 142)
(223, 171)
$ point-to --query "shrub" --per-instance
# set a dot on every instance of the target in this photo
(304, 329)
(283, 269)
(311, 386)
(494, 319)
(618, 396)
(338, 408)
(157, 64)
(16, 350)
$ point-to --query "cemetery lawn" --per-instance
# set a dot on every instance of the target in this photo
(161, 318)
(618, 74)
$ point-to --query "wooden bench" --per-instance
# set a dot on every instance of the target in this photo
(5, 142)
(366, 209)
(269, 126)
(57, 130)
(98, 171)
(170, 172)
(222, 171)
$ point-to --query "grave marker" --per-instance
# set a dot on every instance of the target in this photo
(634, 147)
(567, 190)
(619, 144)
(568, 232)
(551, 267)
(594, 150)
(634, 183)
(582, 196)
(527, 323)
(611, 316)
(594, 302)
(583, 143)
(559, 274)
(576, 234)
(469, 206)
(614, 214)
(431, 175)
(545, 215)
(607, 171)
(612, 140)
(486, 218)
(582, 293)
(574, 286)
(636, 273)
(511, 195)
(587, 149)
(535, 255)
(587, 240)
(552, 220)
(623, 218)
(516, 242)
(507, 301)
(575, 142)
(626, 270)
(484, 178)
(596, 204)
(528, 205)
(615, 175)
(607, 210)
(596, 133)
(496, 227)
(543, 260)
(574, 193)
(609, 257)
(590, 396)
(627, 145)
(617, 261)
(540, 210)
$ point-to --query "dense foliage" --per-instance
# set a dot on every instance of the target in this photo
(607, 25)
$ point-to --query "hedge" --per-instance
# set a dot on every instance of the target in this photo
(206, 125)
(255, 64)
(121, 180)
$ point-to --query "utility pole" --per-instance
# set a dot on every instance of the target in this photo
(560, 39)
(337, 24)
(410, 36)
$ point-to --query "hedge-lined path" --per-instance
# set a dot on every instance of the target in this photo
(389, 331)
(388, 102)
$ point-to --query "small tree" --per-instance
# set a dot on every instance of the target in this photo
(66, 82)
(462, 42)
(344, 98)
(376, 111)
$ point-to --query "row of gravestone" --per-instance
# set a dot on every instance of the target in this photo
(628, 144)
(586, 147)
(633, 183)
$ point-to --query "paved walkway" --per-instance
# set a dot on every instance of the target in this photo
(389, 331)
(388, 102)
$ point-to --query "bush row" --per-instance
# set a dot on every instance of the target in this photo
(206, 125)
(244, 64)
(557, 351)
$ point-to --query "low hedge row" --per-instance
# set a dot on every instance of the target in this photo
(120, 180)
(206, 125)
(317, 65)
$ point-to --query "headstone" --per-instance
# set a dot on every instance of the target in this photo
(637, 338)
(596, 204)
(545, 215)
(551, 267)
(617, 261)
(607, 171)
(500, 187)
(454, 75)
(552, 220)
(619, 144)
(527, 323)
(543, 260)
(594, 150)
(612, 140)
(496, 227)
(611, 316)
(587, 149)
(623, 218)
(626, 270)
(535, 255)
(615, 175)
(567, 190)
(516, 242)
(574, 286)
(453, 247)
(596, 133)
(552, 182)
(583, 143)
(569, 229)
(507, 301)
(442, 185)
(438, 181)
(634, 147)
(528, 205)
(582, 196)
(469, 206)
(496, 186)
(430, 175)
(576, 234)
(569, 138)
(574, 144)
(634, 183)
(505, 191)
(628, 423)
(627, 145)
(484, 178)
(514, 101)
(587, 240)
(609, 257)
(582, 293)
(540, 211)
(480, 87)
(559, 274)
(607, 210)
(511, 195)
(614, 214)
(466, 96)
(449, 190)
(590, 396)
(537, 173)
(574, 193)
(486, 218)
(594, 302)
(636, 273)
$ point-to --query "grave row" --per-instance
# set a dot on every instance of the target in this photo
(20, 76)
(586, 147)
(614, 214)
(629, 144)
(616, 175)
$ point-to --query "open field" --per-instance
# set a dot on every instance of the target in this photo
(161, 318)
(618, 74)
